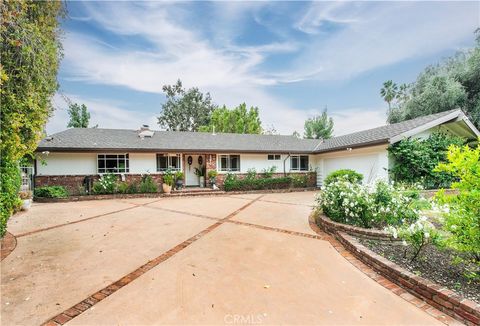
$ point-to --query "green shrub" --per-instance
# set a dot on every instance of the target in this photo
(147, 185)
(462, 212)
(232, 183)
(299, 180)
(168, 178)
(212, 174)
(372, 205)
(345, 174)
(251, 174)
(418, 234)
(107, 184)
(127, 188)
(10, 182)
(51, 192)
(415, 160)
(268, 172)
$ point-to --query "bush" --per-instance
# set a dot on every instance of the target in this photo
(232, 183)
(51, 192)
(127, 188)
(418, 234)
(345, 174)
(106, 185)
(268, 172)
(212, 174)
(251, 174)
(168, 178)
(148, 185)
(10, 182)
(299, 180)
(373, 205)
(462, 216)
(416, 159)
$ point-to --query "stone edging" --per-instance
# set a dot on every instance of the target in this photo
(8, 244)
(443, 299)
(163, 195)
(333, 227)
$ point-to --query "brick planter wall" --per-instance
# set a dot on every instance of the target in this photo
(445, 300)
(74, 183)
(333, 228)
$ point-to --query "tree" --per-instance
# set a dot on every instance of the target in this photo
(296, 134)
(238, 120)
(185, 110)
(319, 127)
(451, 84)
(30, 56)
(389, 92)
(79, 116)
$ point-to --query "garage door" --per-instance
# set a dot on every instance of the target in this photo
(365, 164)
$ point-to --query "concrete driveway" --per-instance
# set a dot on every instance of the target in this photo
(239, 259)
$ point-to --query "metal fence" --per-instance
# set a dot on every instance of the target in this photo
(27, 173)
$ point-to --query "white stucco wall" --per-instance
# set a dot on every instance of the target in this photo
(143, 163)
(67, 164)
(260, 162)
(372, 162)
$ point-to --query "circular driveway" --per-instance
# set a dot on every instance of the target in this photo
(233, 259)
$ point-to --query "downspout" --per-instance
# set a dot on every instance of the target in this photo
(284, 169)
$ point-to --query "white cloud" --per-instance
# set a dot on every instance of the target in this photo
(380, 34)
(357, 119)
(368, 36)
(105, 114)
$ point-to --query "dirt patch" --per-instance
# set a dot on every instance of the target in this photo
(434, 264)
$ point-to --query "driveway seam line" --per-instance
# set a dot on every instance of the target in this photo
(84, 305)
(83, 220)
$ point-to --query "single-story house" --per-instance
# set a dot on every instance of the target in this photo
(67, 157)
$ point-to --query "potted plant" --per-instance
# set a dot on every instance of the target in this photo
(179, 180)
(26, 197)
(212, 177)
(200, 173)
(168, 178)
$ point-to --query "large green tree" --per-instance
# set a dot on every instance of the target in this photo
(319, 127)
(451, 84)
(185, 110)
(79, 116)
(238, 120)
(30, 56)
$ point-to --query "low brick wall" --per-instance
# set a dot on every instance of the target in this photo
(445, 300)
(74, 183)
(333, 228)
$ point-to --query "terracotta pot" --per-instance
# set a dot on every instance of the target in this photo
(166, 188)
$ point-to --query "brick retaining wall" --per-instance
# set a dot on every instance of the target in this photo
(445, 300)
(311, 181)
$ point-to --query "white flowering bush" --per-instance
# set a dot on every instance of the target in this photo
(107, 184)
(417, 234)
(373, 205)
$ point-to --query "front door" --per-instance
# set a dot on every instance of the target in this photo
(191, 179)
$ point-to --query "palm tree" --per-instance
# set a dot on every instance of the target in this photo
(389, 92)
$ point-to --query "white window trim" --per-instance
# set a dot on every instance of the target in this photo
(126, 159)
(274, 159)
(169, 155)
(219, 161)
(298, 157)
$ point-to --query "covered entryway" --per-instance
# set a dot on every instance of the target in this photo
(193, 162)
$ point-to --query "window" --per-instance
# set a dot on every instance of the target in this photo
(273, 157)
(112, 163)
(299, 163)
(230, 163)
(168, 161)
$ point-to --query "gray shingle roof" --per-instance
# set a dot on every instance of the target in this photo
(83, 139)
(377, 135)
(97, 139)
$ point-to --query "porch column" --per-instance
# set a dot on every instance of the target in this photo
(210, 164)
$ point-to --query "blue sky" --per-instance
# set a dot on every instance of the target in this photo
(291, 59)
